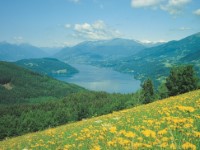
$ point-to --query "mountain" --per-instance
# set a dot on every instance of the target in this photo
(172, 123)
(155, 62)
(13, 52)
(18, 85)
(48, 66)
(51, 50)
(94, 51)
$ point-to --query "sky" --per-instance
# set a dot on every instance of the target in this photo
(58, 23)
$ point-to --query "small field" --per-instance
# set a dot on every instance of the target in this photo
(172, 123)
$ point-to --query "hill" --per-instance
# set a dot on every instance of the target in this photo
(95, 51)
(173, 123)
(155, 62)
(19, 85)
(13, 52)
(48, 66)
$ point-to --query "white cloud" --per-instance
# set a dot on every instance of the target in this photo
(18, 39)
(144, 3)
(197, 12)
(95, 31)
(67, 26)
(184, 28)
(173, 7)
(152, 42)
(75, 1)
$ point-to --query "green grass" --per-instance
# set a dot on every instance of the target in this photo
(172, 123)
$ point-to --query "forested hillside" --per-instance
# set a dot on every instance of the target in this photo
(18, 85)
(48, 66)
(155, 62)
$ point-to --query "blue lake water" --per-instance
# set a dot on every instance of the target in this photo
(102, 79)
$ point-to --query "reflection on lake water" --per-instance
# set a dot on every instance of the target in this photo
(102, 79)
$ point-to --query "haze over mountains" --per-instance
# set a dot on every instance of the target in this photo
(123, 55)
(14, 52)
(100, 50)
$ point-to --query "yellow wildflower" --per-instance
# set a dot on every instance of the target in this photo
(197, 134)
(164, 145)
(130, 134)
(165, 139)
(96, 147)
(162, 132)
(110, 143)
(188, 145)
(137, 145)
(113, 129)
(149, 133)
(187, 109)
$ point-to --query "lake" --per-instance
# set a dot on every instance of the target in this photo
(102, 79)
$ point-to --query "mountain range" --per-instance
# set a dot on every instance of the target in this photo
(14, 52)
(155, 62)
(127, 56)
(93, 51)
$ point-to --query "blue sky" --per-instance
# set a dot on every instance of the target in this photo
(49, 23)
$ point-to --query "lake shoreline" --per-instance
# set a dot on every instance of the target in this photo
(102, 79)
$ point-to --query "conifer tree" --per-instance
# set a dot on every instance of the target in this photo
(148, 91)
(182, 79)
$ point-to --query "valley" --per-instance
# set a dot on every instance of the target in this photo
(98, 78)
(99, 75)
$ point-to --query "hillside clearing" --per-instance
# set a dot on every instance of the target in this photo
(173, 123)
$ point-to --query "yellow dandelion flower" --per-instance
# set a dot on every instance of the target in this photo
(66, 147)
(188, 125)
(130, 134)
(104, 129)
(164, 145)
(113, 129)
(137, 145)
(186, 109)
(110, 143)
(162, 132)
(149, 133)
(164, 139)
(197, 134)
(188, 145)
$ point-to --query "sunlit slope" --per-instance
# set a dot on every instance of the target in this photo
(173, 123)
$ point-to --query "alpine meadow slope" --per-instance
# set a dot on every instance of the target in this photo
(172, 123)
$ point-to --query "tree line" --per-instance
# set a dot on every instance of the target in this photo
(181, 79)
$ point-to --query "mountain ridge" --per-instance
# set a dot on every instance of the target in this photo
(14, 52)
(155, 62)
(100, 50)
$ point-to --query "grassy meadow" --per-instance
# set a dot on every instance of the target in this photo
(172, 123)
